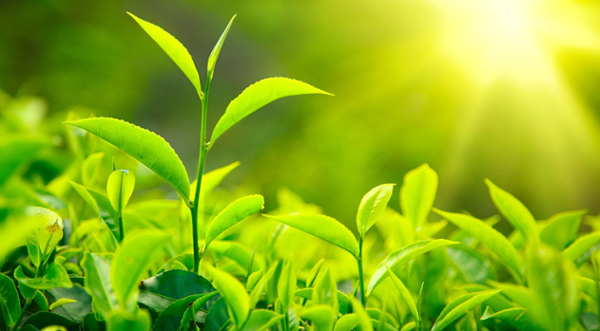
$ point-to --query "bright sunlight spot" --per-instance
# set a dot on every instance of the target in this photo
(511, 39)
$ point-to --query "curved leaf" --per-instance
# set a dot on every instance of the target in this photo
(461, 306)
(581, 246)
(9, 301)
(261, 319)
(346, 323)
(402, 256)
(323, 227)
(372, 206)
(418, 193)
(174, 49)
(97, 282)
(214, 55)
(119, 188)
(235, 295)
(130, 264)
(488, 236)
(237, 211)
(170, 318)
(286, 285)
(147, 147)
(410, 302)
(54, 276)
(321, 316)
(514, 211)
(562, 229)
(90, 168)
(258, 95)
(119, 320)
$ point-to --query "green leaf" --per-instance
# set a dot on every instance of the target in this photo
(325, 290)
(177, 284)
(323, 227)
(217, 318)
(170, 318)
(61, 302)
(321, 316)
(562, 229)
(418, 193)
(235, 251)
(147, 147)
(474, 267)
(43, 319)
(410, 302)
(552, 280)
(583, 244)
(489, 236)
(513, 317)
(214, 55)
(402, 256)
(54, 276)
(235, 295)
(120, 320)
(261, 319)
(102, 208)
(97, 282)
(237, 211)
(363, 317)
(47, 236)
(90, 168)
(258, 95)
(461, 306)
(9, 301)
(120, 188)
(287, 284)
(258, 289)
(346, 323)
(314, 272)
(130, 264)
(174, 49)
(372, 206)
(514, 212)
(212, 179)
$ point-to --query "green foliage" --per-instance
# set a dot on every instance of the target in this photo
(288, 270)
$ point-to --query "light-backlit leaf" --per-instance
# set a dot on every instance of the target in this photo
(258, 95)
(237, 211)
(410, 302)
(489, 236)
(174, 49)
(372, 206)
(235, 295)
(562, 229)
(286, 286)
(461, 306)
(402, 256)
(418, 193)
(214, 55)
(514, 212)
(97, 282)
(119, 188)
(147, 147)
(323, 227)
(131, 262)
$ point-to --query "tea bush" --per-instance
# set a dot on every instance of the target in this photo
(89, 241)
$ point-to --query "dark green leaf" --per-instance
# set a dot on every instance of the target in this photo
(44, 319)
(97, 282)
(54, 276)
(177, 284)
(9, 301)
(235, 295)
(170, 318)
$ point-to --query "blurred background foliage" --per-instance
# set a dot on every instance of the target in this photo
(504, 89)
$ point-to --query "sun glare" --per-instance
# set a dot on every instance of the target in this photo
(510, 39)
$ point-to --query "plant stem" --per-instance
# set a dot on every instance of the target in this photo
(121, 229)
(361, 279)
(202, 159)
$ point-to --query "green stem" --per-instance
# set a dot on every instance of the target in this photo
(361, 279)
(121, 229)
(28, 301)
(202, 159)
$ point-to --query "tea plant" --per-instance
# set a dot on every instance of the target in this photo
(96, 245)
